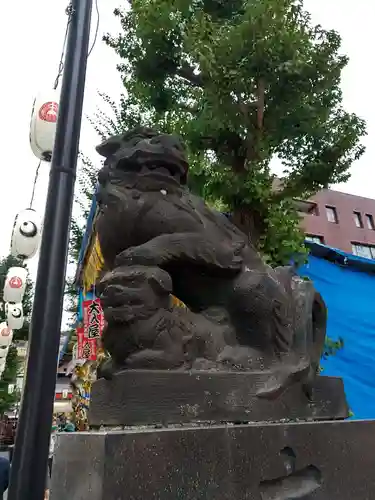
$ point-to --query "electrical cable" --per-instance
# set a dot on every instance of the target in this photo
(34, 185)
(68, 12)
(96, 29)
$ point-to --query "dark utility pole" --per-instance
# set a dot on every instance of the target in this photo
(29, 465)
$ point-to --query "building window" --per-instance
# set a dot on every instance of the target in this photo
(332, 215)
(358, 219)
(314, 239)
(366, 251)
(370, 222)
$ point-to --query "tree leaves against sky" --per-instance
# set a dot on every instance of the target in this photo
(243, 82)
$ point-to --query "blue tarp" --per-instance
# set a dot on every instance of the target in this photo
(64, 341)
(86, 236)
(350, 298)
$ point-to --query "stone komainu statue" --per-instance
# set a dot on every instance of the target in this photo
(157, 238)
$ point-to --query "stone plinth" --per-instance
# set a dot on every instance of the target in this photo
(310, 461)
(148, 397)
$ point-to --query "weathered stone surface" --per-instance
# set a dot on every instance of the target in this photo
(310, 461)
(78, 474)
(159, 239)
(143, 397)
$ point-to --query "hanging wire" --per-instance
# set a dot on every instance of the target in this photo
(96, 29)
(34, 185)
(69, 13)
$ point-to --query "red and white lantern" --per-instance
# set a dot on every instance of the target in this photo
(6, 335)
(43, 124)
(15, 285)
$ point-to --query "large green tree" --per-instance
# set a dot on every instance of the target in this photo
(9, 376)
(243, 82)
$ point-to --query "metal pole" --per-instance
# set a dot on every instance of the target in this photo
(29, 466)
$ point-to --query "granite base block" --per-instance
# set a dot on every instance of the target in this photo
(147, 397)
(310, 461)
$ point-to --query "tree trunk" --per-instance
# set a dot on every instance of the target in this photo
(250, 222)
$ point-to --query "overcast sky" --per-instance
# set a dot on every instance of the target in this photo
(31, 35)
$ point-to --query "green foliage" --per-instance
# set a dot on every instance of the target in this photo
(104, 125)
(331, 347)
(9, 376)
(243, 82)
(283, 238)
(85, 188)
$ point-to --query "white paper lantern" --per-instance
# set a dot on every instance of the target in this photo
(6, 335)
(43, 124)
(26, 234)
(15, 284)
(4, 352)
(15, 317)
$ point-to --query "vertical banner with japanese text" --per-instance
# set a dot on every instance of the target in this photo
(93, 319)
(90, 333)
(86, 348)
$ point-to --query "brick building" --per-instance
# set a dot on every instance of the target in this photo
(341, 221)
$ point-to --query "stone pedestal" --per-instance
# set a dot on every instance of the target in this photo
(149, 397)
(215, 436)
(310, 461)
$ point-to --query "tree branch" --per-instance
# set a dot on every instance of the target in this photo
(260, 103)
(187, 73)
(189, 109)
